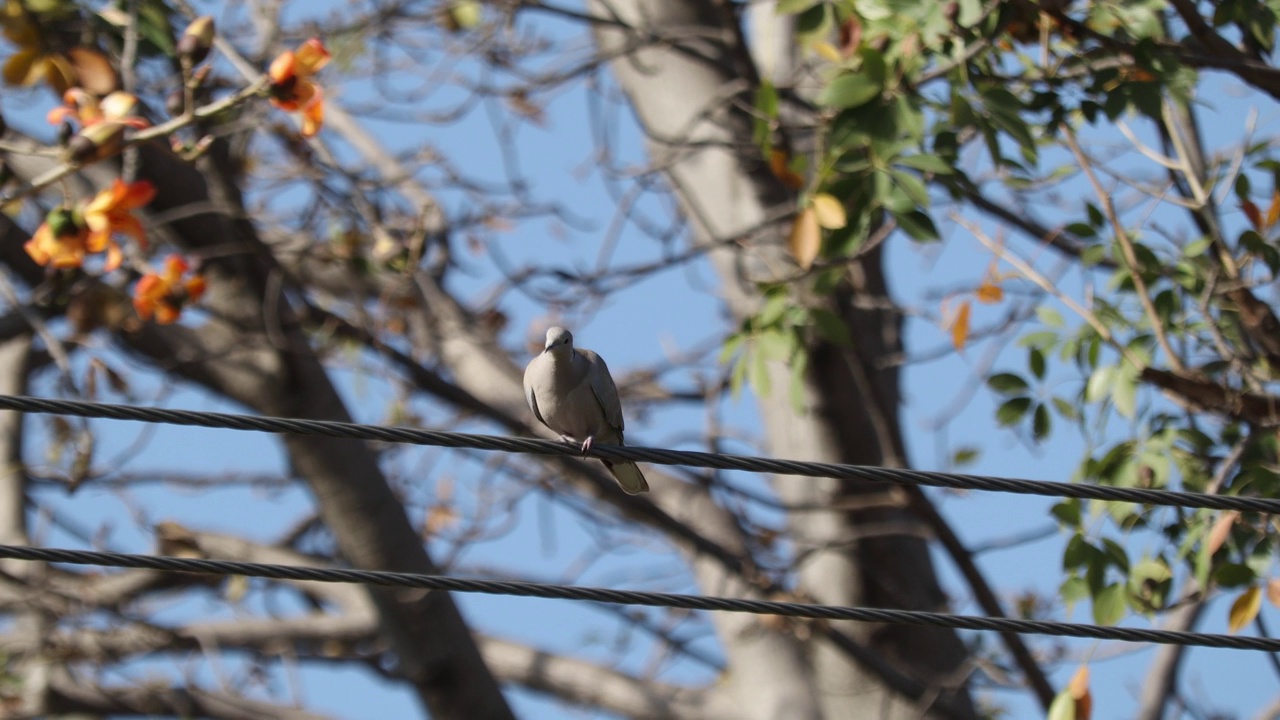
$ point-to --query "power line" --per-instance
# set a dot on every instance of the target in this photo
(633, 597)
(418, 436)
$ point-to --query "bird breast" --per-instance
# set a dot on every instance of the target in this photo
(571, 409)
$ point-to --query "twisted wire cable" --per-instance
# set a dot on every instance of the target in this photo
(634, 597)
(720, 461)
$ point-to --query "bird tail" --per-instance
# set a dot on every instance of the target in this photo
(629, 477)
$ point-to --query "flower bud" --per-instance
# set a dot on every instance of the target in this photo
(98, 141)
(62, 221)
(197, 40)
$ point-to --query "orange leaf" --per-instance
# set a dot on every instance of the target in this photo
(850, 36)
(1273, 212)
(1273, 592)
(1251, 211)
(1244, 609)
(93, 70)
(960, 326)
(989, 292)
(1078, 689)
(805, 239)
(1220, 531)
(780, 164)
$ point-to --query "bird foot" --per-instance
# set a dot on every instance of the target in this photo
(586, 444)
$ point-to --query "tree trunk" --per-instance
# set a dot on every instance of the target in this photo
(683, 93)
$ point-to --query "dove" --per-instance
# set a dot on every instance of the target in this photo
(570, 391)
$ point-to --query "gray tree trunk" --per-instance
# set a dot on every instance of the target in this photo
(683, 94)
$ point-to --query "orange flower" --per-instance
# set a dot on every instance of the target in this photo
(87, 110)
(111, 212)
(291, 87)
(163, 294)
(61, 241)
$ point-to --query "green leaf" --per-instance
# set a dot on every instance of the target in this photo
(1050, 317)
(1083, 230)
(1243, 186)
(918, 225)
(964, 456)
(912, 186)
(790, 7)
(1116, 554)
(909, 119)
(1124, 391)
(758, 370)
(873, 65)
(969, 12)
(1067, 512)
(815, 21)
(1041, 423)
(1012, 411)
(1109, 606)
(1196, 248)
(1065, 408)
(1078, 552)
(850, 90)
(1042, 339)
(1099, 385)
(874, 10)
(774, 308)
(738, 377)
(731, 345)
(1096, 218)
(1007, 384)
(1035, 361)
(927, 163)
(1234, 575)
(777, 344)
(1073, 590)
(830, 327)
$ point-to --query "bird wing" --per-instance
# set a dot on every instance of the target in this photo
(532, 373)
(605, 391)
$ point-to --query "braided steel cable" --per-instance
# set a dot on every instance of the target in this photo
(634, 597)
(533, 446)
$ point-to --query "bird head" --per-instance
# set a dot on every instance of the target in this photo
(559, 341)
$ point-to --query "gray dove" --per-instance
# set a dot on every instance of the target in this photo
(570, 391)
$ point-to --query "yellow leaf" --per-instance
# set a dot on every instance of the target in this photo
(829, 211)
(24, 67)
(1221, 529)
(1273, 212)
(827, 51)
(1078, 689)
(466, 14)
(960, 326)
(805, 239)
(1244, 609)
(235, 587)
(1273, 592)
(1063, 707)
(989, 292)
